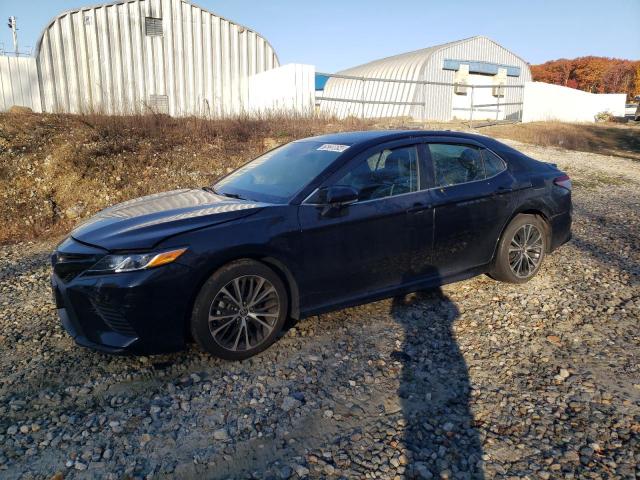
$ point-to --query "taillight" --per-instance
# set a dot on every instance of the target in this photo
(564, 181)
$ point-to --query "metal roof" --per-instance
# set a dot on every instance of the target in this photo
(419, 84)
(105, 59)
(122, 2)
(405, 66)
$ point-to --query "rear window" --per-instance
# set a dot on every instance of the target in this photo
(455, 164)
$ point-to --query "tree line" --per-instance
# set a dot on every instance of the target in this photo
(592, 74)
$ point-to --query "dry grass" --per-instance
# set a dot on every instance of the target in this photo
(602, 138)
(57, 169)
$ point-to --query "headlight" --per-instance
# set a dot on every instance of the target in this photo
(129, 262)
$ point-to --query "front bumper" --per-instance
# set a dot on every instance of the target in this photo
(142, 312)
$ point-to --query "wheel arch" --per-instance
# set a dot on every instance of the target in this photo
(524, 210)
(279, 267)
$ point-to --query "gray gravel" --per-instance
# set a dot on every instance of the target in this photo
(478, 379)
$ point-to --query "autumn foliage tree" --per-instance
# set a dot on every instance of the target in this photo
(592, 74)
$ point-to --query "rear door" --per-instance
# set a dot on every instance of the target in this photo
(474, 196)
(375, 243)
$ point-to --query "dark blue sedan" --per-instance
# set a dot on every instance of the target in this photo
(315, 225)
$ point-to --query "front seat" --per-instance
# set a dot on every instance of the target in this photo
(397, 172)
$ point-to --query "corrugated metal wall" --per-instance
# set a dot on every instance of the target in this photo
(19, 83)
(434, 102)
(439, 105)
(103, 59)
(407, 66)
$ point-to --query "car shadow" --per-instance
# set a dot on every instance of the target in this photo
(440, 438)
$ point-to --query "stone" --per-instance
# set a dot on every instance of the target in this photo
(301, 471)
(289, 403)
(422, 471)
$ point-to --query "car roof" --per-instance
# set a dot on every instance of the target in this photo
(378, 136)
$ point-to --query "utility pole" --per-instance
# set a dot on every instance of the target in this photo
(13, 25)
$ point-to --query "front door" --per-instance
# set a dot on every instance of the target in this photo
(375, 243)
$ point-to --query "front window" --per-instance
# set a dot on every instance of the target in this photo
(384, 174)
(278, 175)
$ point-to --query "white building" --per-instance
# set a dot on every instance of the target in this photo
(472, 61)
(132, 56)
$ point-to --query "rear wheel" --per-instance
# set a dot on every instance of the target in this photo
(240, 310)
(520, 250)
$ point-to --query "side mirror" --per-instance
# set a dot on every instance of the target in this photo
(332, 199)
(338, 196)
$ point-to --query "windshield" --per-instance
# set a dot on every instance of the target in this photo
(278, 175)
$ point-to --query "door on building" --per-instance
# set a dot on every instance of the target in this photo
(485, 98)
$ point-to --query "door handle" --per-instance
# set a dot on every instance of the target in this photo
(419, 208)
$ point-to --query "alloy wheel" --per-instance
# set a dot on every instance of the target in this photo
(244, 313)
(525, 251)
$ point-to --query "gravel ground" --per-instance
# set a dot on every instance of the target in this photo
(476, 380)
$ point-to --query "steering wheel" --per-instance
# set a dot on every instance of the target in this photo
(383, 189)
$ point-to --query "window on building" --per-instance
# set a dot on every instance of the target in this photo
(159, 103)
(153, 27)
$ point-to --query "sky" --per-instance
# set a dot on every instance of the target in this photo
(334, 34)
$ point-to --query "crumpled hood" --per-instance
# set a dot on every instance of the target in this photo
(143, 222)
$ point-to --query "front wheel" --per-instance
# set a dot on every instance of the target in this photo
(520, 250)
(240, 310)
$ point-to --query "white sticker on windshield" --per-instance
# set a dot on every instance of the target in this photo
(332, 147)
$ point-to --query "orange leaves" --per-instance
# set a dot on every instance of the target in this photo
(592, 74)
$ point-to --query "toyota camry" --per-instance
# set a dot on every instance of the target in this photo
(315, 225)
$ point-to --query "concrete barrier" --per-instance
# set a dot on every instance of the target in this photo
(544, 102)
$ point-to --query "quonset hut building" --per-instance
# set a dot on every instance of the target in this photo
(129, 56)
(472, 61)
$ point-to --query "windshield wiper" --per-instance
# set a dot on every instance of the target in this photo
(225, 194)
(232, 195)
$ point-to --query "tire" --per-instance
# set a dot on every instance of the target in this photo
(226, 323)
(506, 265)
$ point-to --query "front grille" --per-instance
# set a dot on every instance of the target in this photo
(68, 266)
(113, 318)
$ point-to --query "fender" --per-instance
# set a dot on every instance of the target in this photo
(532, 205)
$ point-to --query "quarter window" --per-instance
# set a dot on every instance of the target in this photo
(384, 174)
(493, 164)
(455, 164)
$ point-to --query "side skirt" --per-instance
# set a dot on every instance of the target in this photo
(390, 292)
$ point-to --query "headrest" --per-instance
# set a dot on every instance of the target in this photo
(397, 158)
